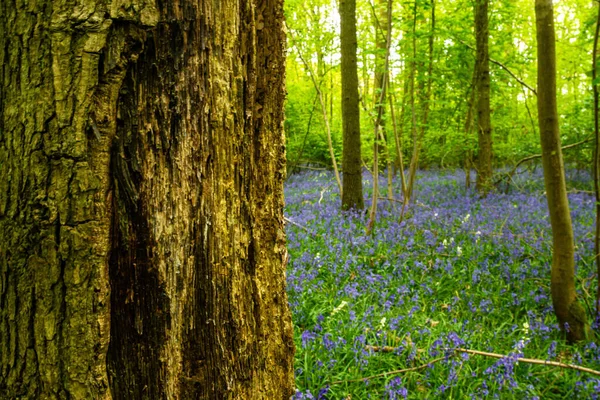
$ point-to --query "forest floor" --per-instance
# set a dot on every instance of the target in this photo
(388, 316)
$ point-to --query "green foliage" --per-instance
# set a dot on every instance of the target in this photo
(315, 27)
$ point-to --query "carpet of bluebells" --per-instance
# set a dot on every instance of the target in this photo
(459, 272)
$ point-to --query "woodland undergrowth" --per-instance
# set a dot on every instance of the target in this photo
(388, 316)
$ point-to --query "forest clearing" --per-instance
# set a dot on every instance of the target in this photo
(459, 272)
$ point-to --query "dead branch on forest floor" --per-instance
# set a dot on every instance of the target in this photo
(385, 374)
(532, 361)
(289, 221)
(390, 349)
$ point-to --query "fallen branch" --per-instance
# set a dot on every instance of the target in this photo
(388, 199)
(532, 361)
(381, 349)
(390, 349)
(575, 191)
(398, 371)
(286, 219)
(311, 168)
(534, 156)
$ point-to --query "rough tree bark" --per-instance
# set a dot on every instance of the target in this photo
(352, 195)
(571, 314)
(484, 126)
(142, 246)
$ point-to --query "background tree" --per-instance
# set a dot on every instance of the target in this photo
(378, 136)
(596, 158)
(352, 196)
(424, 93)
(484, 127)
(444, 142)
(381, 19)
(571, 315)
(142, 248)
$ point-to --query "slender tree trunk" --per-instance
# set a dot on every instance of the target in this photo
(571, 315)
(378, 137)
(399, 164)
(484, 131)
(398, 125)
(317, 87)
(425, 101)
(596, 166)
(380, 24)
(469, 126)
(412, 169)
(142, 246)
(352, 196)
(292, 168)
(381, 75)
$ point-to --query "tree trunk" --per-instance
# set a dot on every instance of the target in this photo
(425, 99)
(380, 24)
(469, 126)
(352, 196)
(412, 169)
(142, 249)
(596, 160)
(484, 167)
(571, 315)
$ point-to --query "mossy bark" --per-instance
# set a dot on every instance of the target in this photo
(142, 249)
(571, 315)
(484, 125)
(352, 195)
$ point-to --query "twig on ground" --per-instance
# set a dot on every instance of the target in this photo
(321, 196)
(388, 199)
(311, 168)
(286, 219)
(531, 361)
(381, 349)
(390, 349)
(575, 191)
(384, 374)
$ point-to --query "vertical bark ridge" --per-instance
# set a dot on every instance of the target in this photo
(204, 155)
(352, 195)
(56, 111)
(484, 128)
(143, 145)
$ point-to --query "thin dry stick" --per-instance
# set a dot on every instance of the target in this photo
(596, 168)
(299, 157)
(388, 199)
(534, 156)
(380, 108)
(390, 349)
(398, 371)
(532, 361)
(397, 140)
(289, 221)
